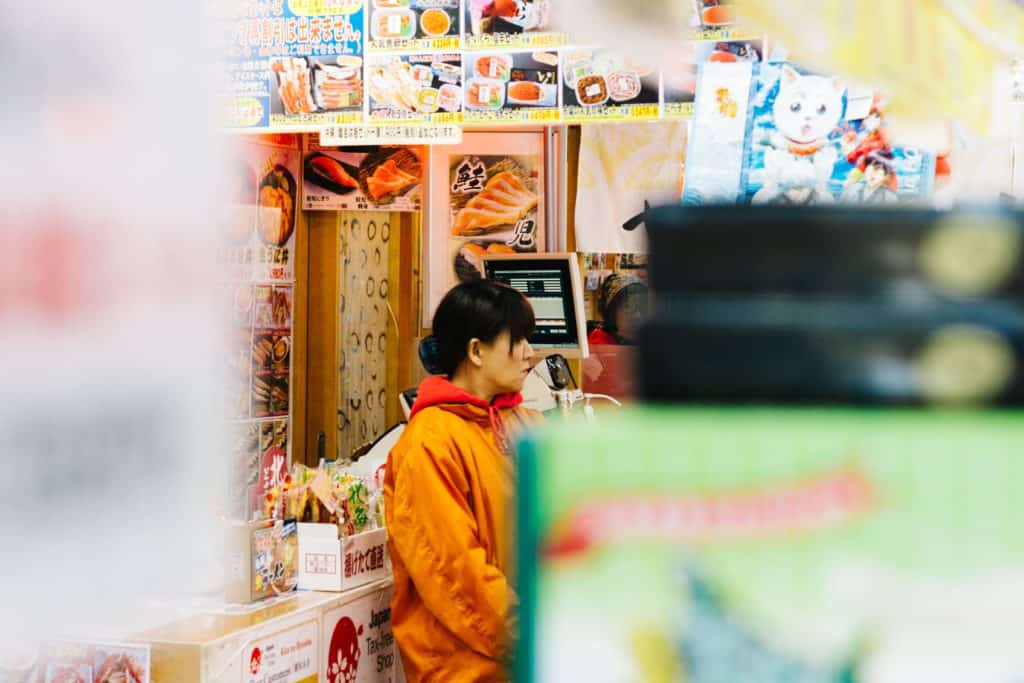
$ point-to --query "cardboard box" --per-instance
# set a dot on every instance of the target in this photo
(248, 556)
(330, 563)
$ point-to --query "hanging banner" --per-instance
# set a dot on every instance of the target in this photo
(294, 63)
(622, 170)
(520, 87)
(414, 25)
(509, 24)
(359, 646)
(419, 88)
(362, 178)
(607, 85)
(715, 155)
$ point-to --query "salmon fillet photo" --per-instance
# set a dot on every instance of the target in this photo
(389, 179)
(504, 200)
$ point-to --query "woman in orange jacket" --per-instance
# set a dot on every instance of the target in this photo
(448, 491)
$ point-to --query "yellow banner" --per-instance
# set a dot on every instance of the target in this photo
(935, 58)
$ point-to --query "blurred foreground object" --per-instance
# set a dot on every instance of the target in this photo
(904, 306)
(795, 509)
(937, 59)
(109, 413)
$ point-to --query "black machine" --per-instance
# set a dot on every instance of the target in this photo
(834, 305)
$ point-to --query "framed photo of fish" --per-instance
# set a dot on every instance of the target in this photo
(487, 197)
(362, 178)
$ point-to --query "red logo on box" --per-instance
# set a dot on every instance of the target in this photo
(321, 563)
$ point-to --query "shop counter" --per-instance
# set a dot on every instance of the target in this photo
(305, 638)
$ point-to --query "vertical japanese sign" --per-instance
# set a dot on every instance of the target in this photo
(258, 260)
(679, 73)
(294, 63)
(715, 156)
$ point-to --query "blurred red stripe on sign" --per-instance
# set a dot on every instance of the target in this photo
(821, 502)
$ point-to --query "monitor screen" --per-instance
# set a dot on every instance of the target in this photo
(550, 285)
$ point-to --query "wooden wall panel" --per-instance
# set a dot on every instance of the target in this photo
(300, 310)
(365, 243)
(321, 334)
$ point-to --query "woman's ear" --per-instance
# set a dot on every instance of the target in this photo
(474, 352)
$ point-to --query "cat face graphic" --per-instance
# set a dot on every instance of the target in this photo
(807, 108)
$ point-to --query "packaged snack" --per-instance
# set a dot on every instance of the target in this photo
(398, 23)
(285, 576)
(623, 86)
(494, 66)
(427, 101)
(485, 93)
(449, 97)
(592, 90)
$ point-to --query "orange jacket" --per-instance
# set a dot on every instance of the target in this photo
(447, 497)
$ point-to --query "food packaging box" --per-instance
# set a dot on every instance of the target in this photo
(330, 563)
(262, 560)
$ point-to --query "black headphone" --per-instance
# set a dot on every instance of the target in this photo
(430, 352)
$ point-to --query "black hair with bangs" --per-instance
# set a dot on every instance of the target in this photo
(478, 310)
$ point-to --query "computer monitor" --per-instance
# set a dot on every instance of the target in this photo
(553, 286)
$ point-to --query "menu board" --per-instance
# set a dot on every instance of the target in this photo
(509, 24)
(423, 88)
(607, 85)
(259, 394)
(363, 178)
(413, 25)
(511, 86)
(258, 301)
(294, 64)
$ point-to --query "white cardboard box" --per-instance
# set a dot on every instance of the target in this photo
(327, 563)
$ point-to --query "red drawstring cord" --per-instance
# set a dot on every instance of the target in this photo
(500, 434)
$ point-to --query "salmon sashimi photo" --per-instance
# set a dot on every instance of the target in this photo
(389, 179)
(503, 201)
(331, 174)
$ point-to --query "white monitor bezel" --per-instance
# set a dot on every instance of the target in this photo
(574, 352)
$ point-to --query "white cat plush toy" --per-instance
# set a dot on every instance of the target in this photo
(807, 109)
